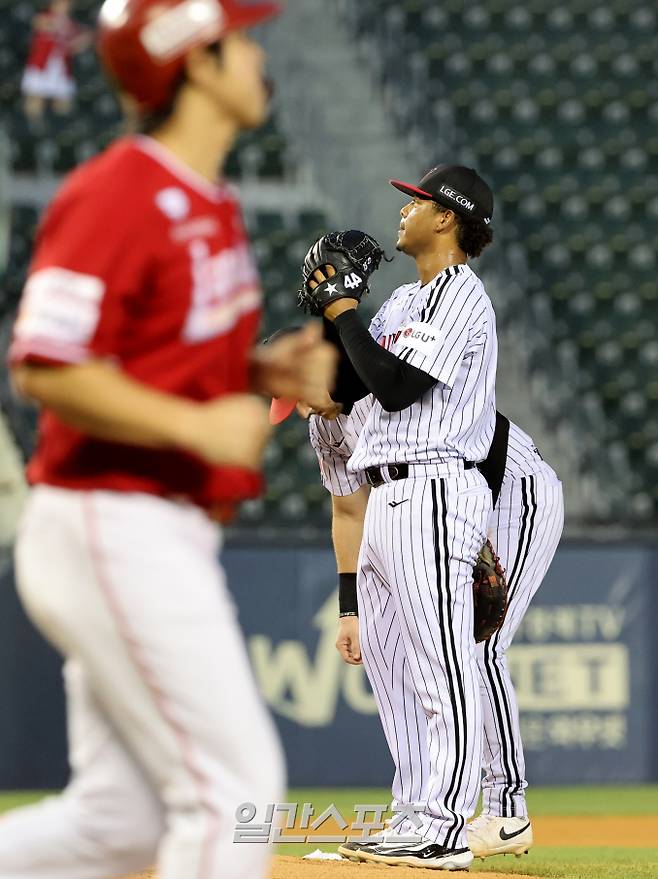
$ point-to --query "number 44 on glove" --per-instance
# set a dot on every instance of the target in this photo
(354, 255)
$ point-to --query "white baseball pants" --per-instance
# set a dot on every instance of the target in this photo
(526, 528)
(421, 538)
(167, 733)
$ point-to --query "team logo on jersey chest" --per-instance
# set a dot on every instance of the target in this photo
(390, 340)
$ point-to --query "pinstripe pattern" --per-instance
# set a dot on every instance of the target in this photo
(448, 330)
(527, 526)
(333, 442)
(416, 622)
(523, 456)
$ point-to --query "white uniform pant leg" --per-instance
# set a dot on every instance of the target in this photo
(427, 545)
(129, 585)
(527, 525)
(90, 831)
(384, 659)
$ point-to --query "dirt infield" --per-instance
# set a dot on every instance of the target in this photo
(630, 831)
(625, 831)
(296, 868)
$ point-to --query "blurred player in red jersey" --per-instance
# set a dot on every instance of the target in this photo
(136, 335)
(48, 74)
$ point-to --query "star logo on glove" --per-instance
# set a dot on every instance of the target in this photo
(332, 288)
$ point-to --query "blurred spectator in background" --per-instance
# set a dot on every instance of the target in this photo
(56, 38)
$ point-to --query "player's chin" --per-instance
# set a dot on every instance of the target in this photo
(401, 243)
(254, 110)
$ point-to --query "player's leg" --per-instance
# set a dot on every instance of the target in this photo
(527, 525)
(108, 821)
(430, 542)
(386, 664)
(144, 605)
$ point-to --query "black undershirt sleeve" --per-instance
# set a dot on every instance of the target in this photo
(348, 387)
(393, 382)
(493, 467)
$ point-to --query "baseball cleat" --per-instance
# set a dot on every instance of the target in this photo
(420, 854)
(490, 835)
(388, 837)
(352, 850)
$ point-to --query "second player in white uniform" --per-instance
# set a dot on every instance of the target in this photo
(525, 528)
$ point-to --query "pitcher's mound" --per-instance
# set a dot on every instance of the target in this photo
(298, 868)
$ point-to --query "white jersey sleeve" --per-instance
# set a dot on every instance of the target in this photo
(452, 326)
(333, 442)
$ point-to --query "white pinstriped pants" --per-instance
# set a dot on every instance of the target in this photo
(526, 528)
(416, 626)
(167, 733)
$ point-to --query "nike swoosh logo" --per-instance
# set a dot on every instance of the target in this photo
(505, 836)
(397, 503)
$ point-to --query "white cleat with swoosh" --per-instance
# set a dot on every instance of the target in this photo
(490, 835)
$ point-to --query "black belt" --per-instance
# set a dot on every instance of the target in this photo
(375, 475)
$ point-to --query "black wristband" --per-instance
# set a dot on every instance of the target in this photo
(347, 604)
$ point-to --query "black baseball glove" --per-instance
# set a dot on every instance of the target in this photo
(355, 256)
(489, 593)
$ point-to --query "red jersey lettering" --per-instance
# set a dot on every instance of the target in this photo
(141, 261)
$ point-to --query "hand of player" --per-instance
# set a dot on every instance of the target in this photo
(340, 305)
(231, 431)
(347, 642)
(297, 366)
(329, 409)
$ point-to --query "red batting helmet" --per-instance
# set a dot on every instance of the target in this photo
(143, 43)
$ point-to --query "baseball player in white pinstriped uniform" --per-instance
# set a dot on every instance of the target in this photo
(525, 528)
(429, 362)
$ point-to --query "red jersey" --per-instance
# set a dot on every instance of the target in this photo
(141, 261)
(54, 40)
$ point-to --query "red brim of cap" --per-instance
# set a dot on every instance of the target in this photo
(250, 14)
(281, 409)
(410, 190)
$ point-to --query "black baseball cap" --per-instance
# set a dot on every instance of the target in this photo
(456, 187)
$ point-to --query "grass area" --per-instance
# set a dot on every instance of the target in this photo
(13, 799)
(556, 863)
(601, 800)
(578, 863)
(609, 800)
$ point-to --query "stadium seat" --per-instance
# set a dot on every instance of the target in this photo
(558, 107)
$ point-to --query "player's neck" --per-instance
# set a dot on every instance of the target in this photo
(203, 147)
(430, 264)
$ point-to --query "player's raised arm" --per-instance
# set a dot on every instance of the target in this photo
(438, 232)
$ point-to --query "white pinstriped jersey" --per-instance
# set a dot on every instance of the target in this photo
(523, 456)
(446, 328)
(334, 443)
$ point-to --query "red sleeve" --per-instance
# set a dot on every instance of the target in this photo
(89, 263)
